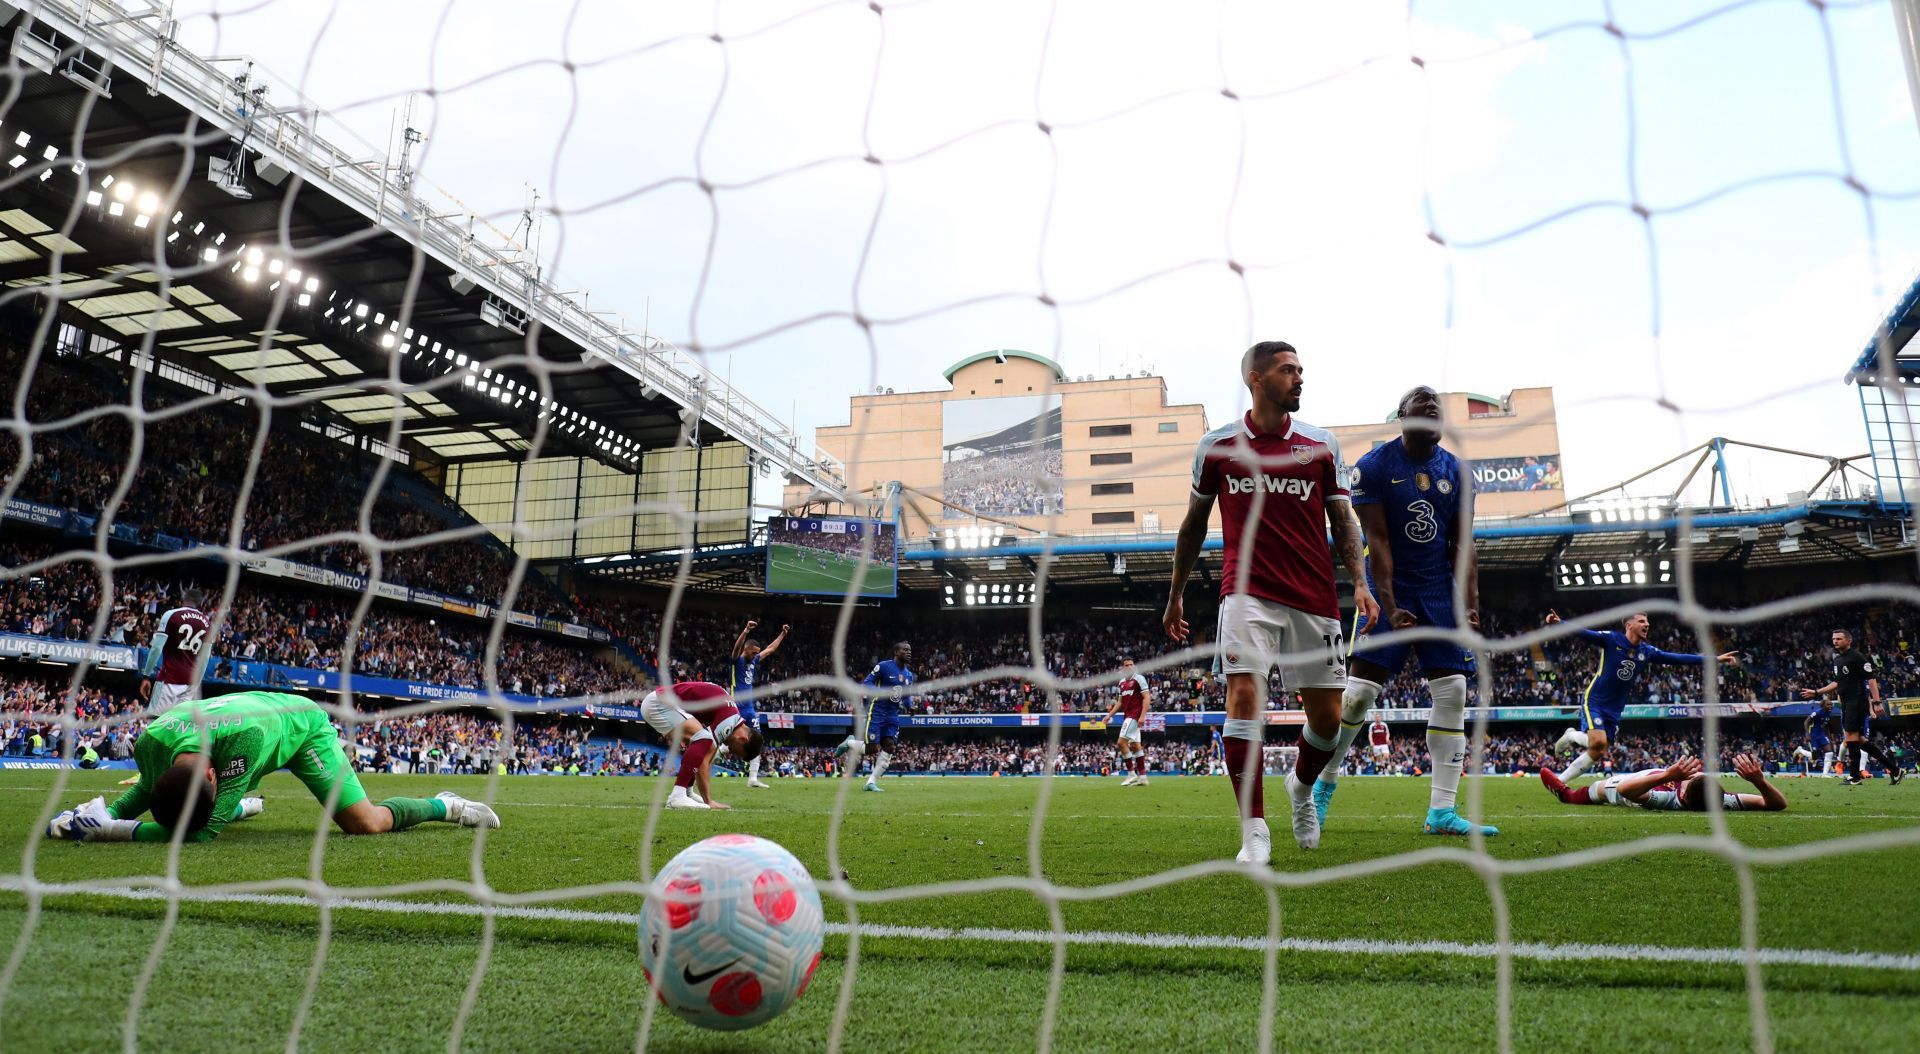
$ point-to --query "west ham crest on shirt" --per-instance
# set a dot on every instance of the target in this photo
(1303, 454)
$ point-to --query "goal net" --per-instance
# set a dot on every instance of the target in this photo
(463, 433)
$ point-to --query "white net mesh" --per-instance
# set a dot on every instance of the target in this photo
(1271, 117)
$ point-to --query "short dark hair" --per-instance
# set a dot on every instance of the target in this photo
(754, 745)
(1844, 633)
(1693, 793)
(751, 643)
(172, 790)
(1258, 356)
(897, 645)
(194, 596)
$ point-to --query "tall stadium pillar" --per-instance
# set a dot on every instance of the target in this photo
(1720, 470)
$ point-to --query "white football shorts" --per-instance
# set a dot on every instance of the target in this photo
(1257, 634)
(167, 696)
(666, 718)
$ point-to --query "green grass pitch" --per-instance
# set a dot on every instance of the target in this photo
(231, 974)
(796, 569)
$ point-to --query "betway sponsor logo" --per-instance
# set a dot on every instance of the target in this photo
(1299, 488)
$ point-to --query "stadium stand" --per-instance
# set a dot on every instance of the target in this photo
(186, 485)
(291, 627)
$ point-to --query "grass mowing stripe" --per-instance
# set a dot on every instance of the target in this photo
(993, 935)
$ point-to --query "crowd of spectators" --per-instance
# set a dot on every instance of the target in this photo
(305, 629)
(1779, 658)
(1508, 751)
(1020, 482)
(464, 743)
(33, 723)
(188, 481)
(31, 708)
(193, 467)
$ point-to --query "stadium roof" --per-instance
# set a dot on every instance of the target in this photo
(387, 289)
(1809, 533)
(1896, 332)
(1002, 356)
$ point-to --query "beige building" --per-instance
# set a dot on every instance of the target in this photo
(1015, 440)
(1514, 443)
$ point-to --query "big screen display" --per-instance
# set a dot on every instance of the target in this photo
(1002, 457)
(1539, 472)
(823, 555)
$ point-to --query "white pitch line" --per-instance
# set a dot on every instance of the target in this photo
(1108, 938)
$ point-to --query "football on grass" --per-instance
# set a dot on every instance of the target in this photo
(734, 936)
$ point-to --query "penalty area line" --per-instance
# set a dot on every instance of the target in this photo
(1538, 952)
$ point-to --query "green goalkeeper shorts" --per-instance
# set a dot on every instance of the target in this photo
(322, 766)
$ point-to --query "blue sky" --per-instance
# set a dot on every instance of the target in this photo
(1150, 180)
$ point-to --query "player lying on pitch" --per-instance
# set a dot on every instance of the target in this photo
(695, 715)
(1680, 787)
(202, 761)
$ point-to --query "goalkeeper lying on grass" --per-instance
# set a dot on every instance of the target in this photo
(201, 762)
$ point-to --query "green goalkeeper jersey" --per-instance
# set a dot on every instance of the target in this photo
(245, 736)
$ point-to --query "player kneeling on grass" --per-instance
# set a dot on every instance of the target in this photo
(201, 762)
(1680, 787)
(694, 716)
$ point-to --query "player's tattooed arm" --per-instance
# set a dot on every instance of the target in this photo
(1186, 550)
(1351, 543)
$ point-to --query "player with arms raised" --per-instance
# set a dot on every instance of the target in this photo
(695, 716)
(1411, 498)
(744, 671)
(1131, 703)
(166, 677)
(201, 763)
(1279, 482)
(1624, 656)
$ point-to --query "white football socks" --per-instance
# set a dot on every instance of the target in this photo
(1580, 765)
(1355, 702)
(753, 769)
(880, 760)
(1446, 738)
